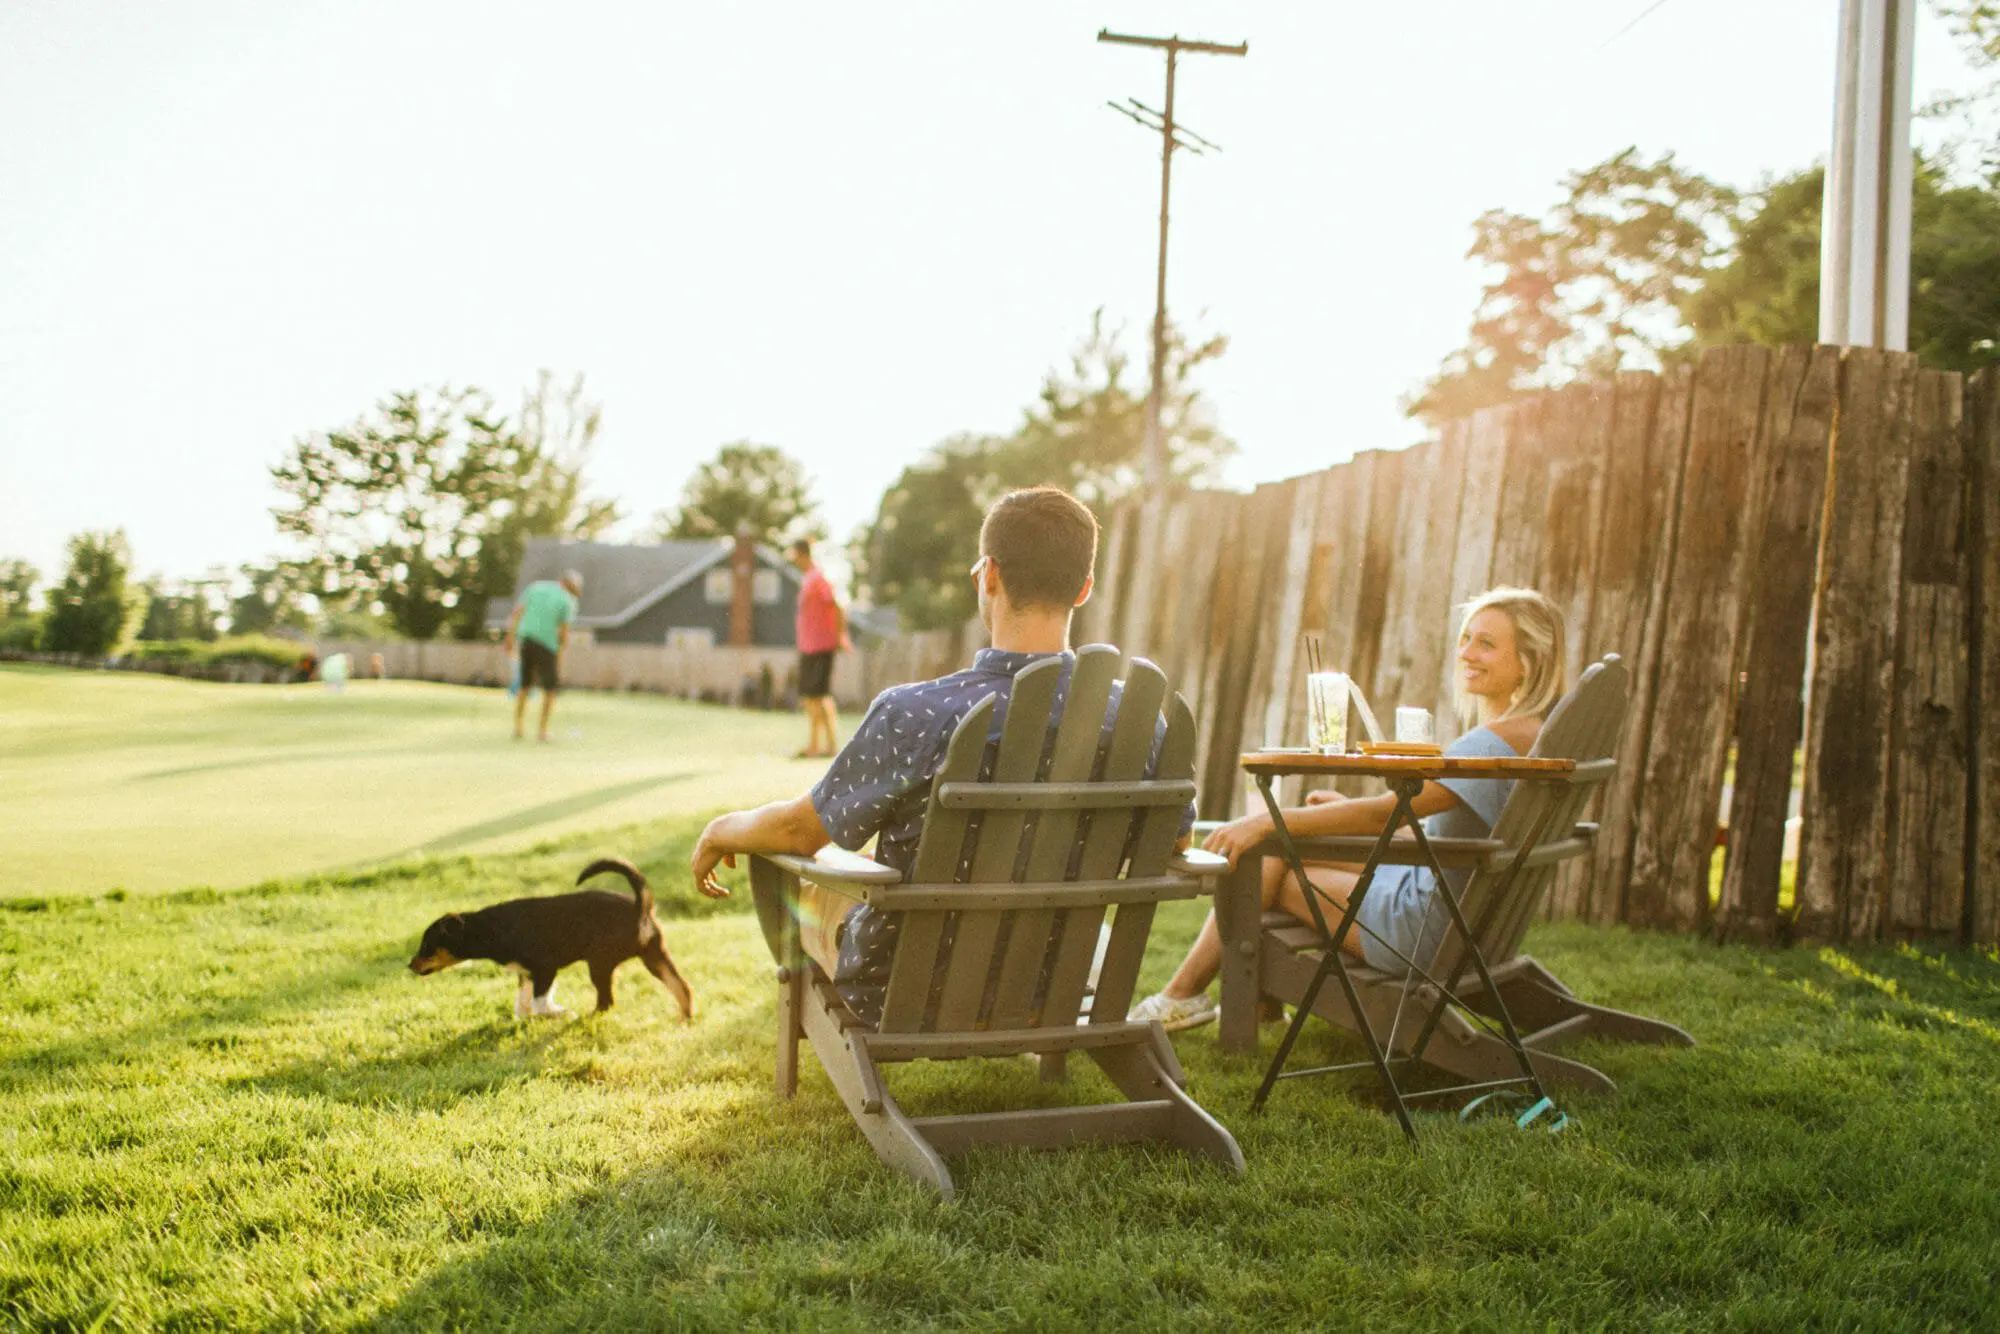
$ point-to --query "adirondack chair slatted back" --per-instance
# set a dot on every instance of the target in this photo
(1584, 726)
(986, 965)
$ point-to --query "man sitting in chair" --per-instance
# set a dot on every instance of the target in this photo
(1037, 547)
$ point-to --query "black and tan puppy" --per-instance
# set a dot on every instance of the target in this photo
(538, 937)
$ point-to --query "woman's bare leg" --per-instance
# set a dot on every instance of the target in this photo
(1204, 957)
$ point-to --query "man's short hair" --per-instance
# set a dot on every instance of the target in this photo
(574, 579)
(802, 546)
(1044, 541)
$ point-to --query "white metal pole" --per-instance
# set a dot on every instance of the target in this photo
(1864, 298)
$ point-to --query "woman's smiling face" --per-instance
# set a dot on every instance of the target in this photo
(1489, 667)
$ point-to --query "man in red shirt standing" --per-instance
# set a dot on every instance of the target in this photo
(821, 631)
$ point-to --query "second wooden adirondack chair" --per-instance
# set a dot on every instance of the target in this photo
(999, 922)
(1274, 954)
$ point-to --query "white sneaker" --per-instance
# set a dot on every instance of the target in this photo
(1175, 1015)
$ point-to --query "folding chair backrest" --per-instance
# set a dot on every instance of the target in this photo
(1584, 726)
(1050, 829)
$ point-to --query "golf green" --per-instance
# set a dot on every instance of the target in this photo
(124, 781)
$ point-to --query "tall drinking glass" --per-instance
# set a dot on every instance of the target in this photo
(1326, 712)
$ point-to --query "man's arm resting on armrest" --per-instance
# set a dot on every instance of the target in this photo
(782, 826)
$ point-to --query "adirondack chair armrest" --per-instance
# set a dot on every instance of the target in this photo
(1198, 864)
(848, 874)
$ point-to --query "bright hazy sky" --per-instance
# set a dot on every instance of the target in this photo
(847, 230)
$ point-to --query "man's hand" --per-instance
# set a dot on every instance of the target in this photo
(1238, 837)
(707, 854)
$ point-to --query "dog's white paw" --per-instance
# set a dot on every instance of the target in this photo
(545, 1007)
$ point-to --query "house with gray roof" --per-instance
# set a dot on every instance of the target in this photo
(719, 591)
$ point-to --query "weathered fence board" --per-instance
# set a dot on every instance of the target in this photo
(1420, 579)
(1289, 614)
(1632, 534)
(1472, 544)
(1982, 875)
(1695, 695)
(1524, 491)
(1273, 595)
(1929, 730)
(1798, 430)
(1850, 701)
(1576, 440)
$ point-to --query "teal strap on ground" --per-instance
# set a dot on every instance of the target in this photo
(1526, 1118)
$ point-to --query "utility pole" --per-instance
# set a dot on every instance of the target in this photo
(1864, 261)
(1170, 139)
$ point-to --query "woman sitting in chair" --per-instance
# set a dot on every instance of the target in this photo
(1511, 660)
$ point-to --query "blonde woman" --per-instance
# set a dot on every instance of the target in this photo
(1511, 658)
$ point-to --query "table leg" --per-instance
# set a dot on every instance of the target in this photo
(1477, 957)
(1332, 960)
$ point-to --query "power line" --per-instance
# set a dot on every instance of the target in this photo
(1628, 27)
(1162, 122)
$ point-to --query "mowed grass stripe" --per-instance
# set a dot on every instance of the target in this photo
(114, 780)
(236, 1109)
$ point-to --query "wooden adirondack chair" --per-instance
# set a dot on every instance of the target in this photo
(1274, 954)
(998, 932)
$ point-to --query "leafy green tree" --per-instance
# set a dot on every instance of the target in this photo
(558, 433)
(1769, 291)
(175, 612)
(17, 588)
(914, 557)
(1085, 432)
(760, 487)
(89, 610)
(420, 509)
(272, 599)
(1594, 287)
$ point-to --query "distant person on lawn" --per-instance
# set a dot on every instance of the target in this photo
(822, 631)
(1036, 551)
(540, 626)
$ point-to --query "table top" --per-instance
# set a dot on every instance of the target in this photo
(1275, 762)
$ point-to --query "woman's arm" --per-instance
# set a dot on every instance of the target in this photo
(1362, 815)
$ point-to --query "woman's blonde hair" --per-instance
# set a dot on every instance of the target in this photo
(1539, 641)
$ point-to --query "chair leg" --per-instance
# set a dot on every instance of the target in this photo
(1238, 912)
(791, 1027)
(1055, 1066)
(1141, 1076)
(896, 1142)
(1538, 1000)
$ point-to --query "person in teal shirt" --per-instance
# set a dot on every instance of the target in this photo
(540, 626)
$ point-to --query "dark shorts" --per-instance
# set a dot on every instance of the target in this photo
(815, 675)
(538, 665)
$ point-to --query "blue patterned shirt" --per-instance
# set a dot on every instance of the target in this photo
(880, 785)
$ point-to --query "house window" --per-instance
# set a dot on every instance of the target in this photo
(716, 587)
(690, 637)
(764, 587)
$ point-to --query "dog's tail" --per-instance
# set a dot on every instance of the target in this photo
(640, 889)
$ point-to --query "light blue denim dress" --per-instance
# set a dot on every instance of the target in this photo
(1402, 905)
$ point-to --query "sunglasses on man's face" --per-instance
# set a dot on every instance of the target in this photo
(979, 566)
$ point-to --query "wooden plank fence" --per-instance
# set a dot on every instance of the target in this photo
(1797, 551)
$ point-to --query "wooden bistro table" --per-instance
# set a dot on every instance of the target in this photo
(1405, 776)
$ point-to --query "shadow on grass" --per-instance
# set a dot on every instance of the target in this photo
(546, 813)
(433, 1077)
(223, 1020)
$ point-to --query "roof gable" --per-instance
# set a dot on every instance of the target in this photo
(621, 580)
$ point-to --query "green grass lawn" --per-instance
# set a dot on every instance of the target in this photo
(236, 1109)
(110, 780)
(230, 1106)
